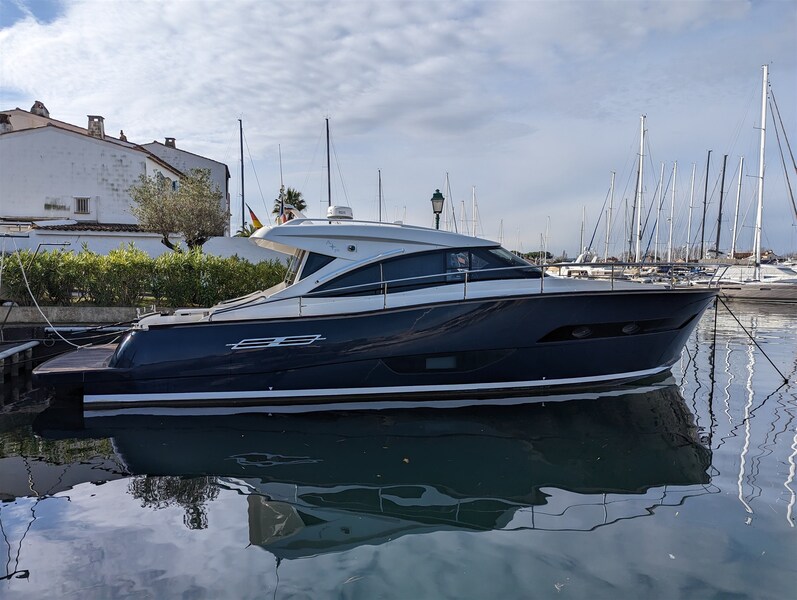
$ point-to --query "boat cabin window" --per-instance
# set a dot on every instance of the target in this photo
(364, 281)
(427, 269)
(497, 263)
(415, 271)
(314, 262)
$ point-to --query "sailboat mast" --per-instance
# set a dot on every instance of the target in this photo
(627, 228)
(703, 220)
(329, 172)
(736, 212)
(638, 203)
(609, 220)
(243, 201)
(672, 210)
(279, 150)
(547, 237)
(719, 213)
(473, 209)
(689, 222)
(282, 185)
(451, 203)
(658, 213)
(379, 172)
(760, 209)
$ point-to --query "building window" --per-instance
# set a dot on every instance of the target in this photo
(81, 206)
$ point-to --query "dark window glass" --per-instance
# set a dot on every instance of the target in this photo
(416, 271)
(418, 268)
(457, 260)
(360, 282)
(497, 263)
(315, 262)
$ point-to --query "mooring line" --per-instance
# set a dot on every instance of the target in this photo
(752, 339)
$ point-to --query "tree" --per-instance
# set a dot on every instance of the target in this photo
(246, 231)
(293, 198)
(192, 209)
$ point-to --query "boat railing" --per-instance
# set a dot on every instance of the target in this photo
(671, 274)
(465, 277)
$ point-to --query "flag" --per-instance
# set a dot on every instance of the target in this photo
(255, 221)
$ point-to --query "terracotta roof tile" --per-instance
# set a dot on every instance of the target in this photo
(128, 227)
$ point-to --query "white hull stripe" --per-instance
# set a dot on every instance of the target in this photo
(132, 399)
(367, 405)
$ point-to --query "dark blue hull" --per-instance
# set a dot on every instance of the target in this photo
(514, 344)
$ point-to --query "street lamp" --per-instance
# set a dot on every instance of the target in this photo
(437, 206)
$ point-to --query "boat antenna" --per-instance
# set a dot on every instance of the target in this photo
(329, 172)
(241, 138)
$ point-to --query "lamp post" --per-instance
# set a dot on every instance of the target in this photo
(437, 207)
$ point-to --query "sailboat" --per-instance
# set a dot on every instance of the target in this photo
(756, 281)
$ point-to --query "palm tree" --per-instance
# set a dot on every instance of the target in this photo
(246, 231)
(293, 198)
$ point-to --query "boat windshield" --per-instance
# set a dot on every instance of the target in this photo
(293, 266)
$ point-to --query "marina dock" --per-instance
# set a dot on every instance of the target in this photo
(16, 356)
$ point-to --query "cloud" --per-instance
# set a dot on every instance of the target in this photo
(508, 96)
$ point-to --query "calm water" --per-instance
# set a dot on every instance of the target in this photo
(683, 489)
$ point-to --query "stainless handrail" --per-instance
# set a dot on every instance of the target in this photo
(411, 280)
(383, 287)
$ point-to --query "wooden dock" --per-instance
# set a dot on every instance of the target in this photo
(16, 356)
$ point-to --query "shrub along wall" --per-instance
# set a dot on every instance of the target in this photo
(128, 276)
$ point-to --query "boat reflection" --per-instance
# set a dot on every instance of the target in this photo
(329, 481)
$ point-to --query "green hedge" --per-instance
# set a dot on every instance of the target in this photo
(127, 276)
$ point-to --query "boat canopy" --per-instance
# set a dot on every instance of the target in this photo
(354, 240)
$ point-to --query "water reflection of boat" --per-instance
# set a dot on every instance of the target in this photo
(325, 482)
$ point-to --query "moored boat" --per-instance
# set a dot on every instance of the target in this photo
(374, 313)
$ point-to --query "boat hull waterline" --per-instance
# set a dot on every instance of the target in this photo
(514, 344)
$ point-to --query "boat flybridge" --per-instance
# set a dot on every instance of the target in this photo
(383, 314)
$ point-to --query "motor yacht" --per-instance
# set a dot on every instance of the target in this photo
(373, 314)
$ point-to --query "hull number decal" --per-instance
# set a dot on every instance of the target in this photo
(275, 342)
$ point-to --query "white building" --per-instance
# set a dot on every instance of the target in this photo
(60, 182)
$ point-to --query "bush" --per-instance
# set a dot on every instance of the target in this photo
(51, 276)
(127, 276)
(118, 278)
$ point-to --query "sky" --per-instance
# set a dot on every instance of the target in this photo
(528, 106)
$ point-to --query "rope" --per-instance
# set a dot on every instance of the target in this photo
(783, 159)
(36, 304)
(752, 339)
